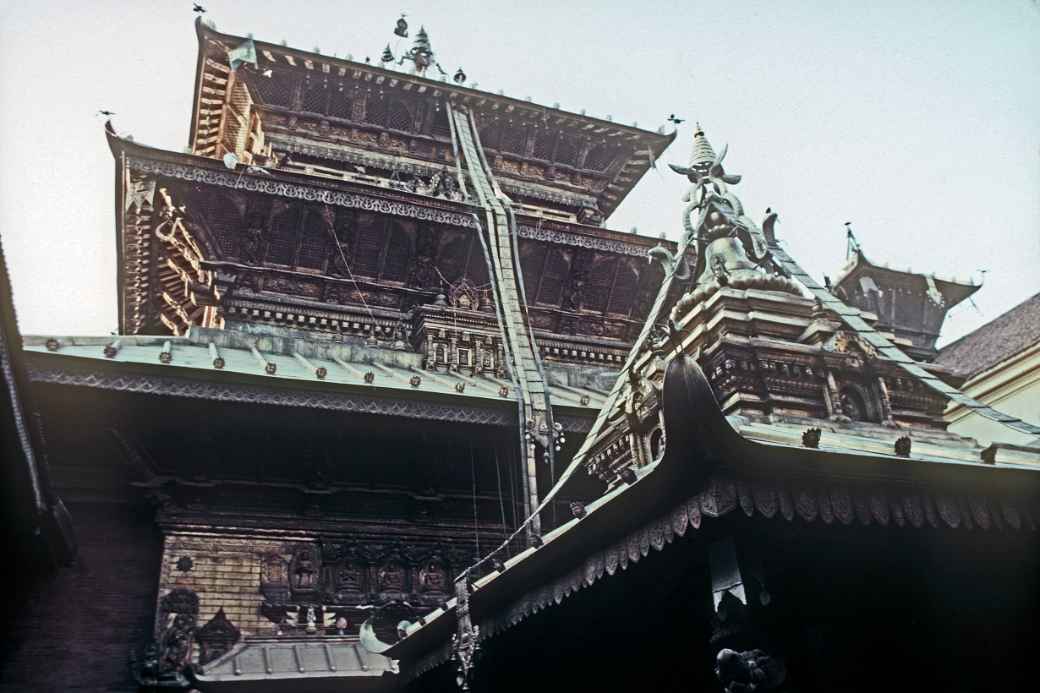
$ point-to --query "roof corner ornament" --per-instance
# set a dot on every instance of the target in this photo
(465, 647)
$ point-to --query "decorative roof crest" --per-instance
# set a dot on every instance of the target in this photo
(726, 248)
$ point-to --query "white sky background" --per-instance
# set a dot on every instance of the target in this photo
(918, 121)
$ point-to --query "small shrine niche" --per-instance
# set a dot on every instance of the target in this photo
(274, 578)
(304, 573)
(392, 577)
(432, 576)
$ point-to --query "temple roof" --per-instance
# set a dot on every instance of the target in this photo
(645, 146)
(339, 664)
(953, 290)
(281, 363)
(724, 465)
(997, 340)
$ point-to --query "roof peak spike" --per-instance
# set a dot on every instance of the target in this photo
(703, 155)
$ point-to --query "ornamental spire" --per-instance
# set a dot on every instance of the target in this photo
(703, 156)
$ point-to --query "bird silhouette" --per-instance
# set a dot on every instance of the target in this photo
(675, 119)
(197, 8)
(106, 113)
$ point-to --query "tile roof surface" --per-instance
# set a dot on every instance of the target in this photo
(999, 339)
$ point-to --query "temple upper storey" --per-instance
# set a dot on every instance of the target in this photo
(387, 125)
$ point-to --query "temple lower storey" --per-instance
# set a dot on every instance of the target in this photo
(390, 408)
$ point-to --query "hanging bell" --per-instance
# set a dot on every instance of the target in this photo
(402, 28)
(460, 76)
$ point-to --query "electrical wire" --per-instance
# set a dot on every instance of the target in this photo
(501, 501)
(473, 476)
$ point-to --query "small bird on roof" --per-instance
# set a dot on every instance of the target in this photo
(198, 9)
(676, 119)
(106, 113)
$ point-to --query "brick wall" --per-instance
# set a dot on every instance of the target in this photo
(225, 572)
(74, 629)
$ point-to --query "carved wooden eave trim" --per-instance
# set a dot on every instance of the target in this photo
(811, 501)
(397, 205)
(253, 394)
(591, 238)
(472, 406)
(366, 155)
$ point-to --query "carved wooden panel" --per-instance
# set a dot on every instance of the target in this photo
(276, 90)
(315, 96)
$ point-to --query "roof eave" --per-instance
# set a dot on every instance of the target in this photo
(675, 477)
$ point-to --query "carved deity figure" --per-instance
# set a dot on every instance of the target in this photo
(391, 577)
(305, 576)
(176, 643)
(349, 577)
(312, 620)
(252, 246)
(432, 577)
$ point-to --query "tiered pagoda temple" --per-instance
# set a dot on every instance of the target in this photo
(389, 403)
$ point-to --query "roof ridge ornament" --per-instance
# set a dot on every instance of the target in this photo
(421, 54)
(726, 248)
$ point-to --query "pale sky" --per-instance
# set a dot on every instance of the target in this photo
(917, 121)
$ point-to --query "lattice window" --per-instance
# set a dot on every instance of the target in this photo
(477, 271)
(597, 287)
(441, 127)
(399, 250)
(224, 219)
(315, 97)
(451, 256)
(544, 143)
(567, 151)
(314, 241)
(490, 133)
(557, 268)
(276, 90)
(400, 117)
(371, 237)
(600, 157)
(532, 258)
(376, 110)
(340, 102)
(281, 244)
(514, 140)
